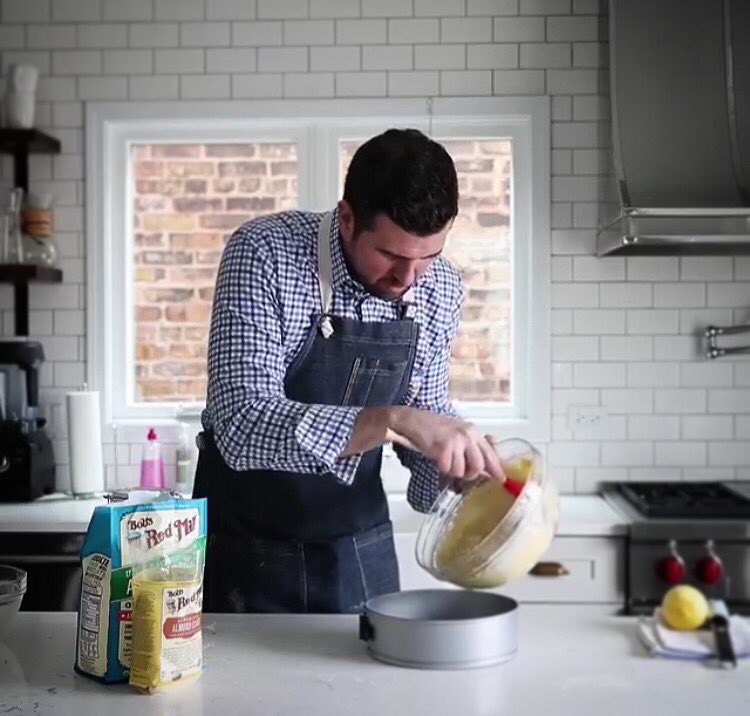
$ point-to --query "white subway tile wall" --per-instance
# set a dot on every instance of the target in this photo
(626, 332)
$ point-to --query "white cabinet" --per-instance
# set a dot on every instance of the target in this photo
(596, 573)
(595, 566)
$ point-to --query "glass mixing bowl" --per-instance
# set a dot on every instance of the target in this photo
(12, 589)
(481, 536)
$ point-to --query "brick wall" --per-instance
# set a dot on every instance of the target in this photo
(188, 200)
(623, 330)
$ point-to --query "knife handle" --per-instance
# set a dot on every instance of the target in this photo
(724, 648)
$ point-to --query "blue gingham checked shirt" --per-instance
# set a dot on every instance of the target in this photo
(266, 293)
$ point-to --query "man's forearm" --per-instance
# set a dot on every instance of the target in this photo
(275, 433)
(375, 426)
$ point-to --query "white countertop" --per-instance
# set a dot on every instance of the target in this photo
(572, 660)
(579, 515)
(53, 513)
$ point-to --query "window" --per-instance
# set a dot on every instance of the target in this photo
(164, 195)
(187, 199)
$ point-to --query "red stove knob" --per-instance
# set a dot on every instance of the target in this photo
(670, 569)
(709, 570)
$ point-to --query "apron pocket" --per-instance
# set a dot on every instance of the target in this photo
(373, 382)
(376, 554)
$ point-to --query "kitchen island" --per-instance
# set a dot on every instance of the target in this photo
(573, 660)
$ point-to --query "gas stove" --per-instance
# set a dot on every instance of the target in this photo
(685, 533)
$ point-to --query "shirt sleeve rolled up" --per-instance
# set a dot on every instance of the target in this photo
(255, 425)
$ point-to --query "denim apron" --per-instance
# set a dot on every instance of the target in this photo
(293, 542)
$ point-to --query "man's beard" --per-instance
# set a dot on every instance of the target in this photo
(391, 297)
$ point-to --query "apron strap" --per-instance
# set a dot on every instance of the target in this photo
(325, 274)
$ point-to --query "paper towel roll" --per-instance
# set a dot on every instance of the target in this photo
(85, 442)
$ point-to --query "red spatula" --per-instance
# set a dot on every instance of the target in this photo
(513, 486)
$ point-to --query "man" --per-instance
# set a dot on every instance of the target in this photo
(330, 336)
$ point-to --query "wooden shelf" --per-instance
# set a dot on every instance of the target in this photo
(21, 275)
(32, 141)
(19, 143)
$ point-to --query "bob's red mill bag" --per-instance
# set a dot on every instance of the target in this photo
(167, 607)
(142, 562)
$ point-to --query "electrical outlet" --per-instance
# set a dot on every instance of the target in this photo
(585, 416)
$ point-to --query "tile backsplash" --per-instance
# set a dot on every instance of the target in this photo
(625, 332)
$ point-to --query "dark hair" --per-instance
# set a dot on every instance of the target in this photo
(405, 175)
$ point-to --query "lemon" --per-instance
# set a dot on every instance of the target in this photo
(684, 607)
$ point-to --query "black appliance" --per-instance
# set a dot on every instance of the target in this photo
(27, 464)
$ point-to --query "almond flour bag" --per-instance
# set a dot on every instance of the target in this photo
(167, 609)
(139, 527)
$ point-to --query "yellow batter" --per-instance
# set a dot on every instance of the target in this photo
(480, 511)
(519, 469)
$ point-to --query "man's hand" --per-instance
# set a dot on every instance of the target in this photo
(456, 448)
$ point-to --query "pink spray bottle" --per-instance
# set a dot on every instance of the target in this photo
(152, 464)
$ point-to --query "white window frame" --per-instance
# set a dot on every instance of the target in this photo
(317, 126)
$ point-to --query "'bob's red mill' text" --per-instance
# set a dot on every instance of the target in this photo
(179, 528)
(140, 523)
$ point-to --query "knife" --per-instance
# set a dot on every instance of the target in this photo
(719, 622)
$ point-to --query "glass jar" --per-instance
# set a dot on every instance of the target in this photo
(12, 246)
(36, 219)
(483, 536)
(39, 251)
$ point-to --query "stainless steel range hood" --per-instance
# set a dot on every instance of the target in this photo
(680, 93)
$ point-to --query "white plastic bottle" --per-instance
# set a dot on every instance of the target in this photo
(184, 463)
